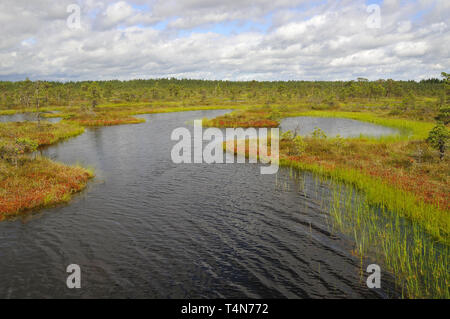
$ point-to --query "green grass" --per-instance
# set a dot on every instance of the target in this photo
(28, 183)
(43, 134)
(176, 109)
(419, 264)
(8, 112)
(434, 221)
(36, 183)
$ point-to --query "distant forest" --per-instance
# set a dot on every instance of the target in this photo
(24, 94)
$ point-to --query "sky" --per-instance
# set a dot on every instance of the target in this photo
(70, 40)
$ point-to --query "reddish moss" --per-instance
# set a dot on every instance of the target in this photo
(38, 183)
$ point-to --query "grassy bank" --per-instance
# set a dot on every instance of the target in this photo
(8, 112)
(248, 117)
(433, 220)
(43, 134)
(37, 183)
(134, 110)
(29, 183)
(102, 119)
(402, 247)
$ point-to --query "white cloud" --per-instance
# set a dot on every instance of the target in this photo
(207, 39)
(117, 12)
(404, 26)
(411, 49)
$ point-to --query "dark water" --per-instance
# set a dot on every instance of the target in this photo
(148, 228)
(305, 125)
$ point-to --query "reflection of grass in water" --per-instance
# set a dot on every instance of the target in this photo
(434, 221)
(418, 263)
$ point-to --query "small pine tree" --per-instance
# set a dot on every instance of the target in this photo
(318, 133)
(94, 94)
(300, 144)
(444, 115)
(438, 139)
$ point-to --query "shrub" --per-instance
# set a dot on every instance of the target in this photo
(438, 139)
(6, 149)
(444, 115)
(339, 141)
(287, 135)
(300, 144)
(10, 151)
(409, 101)
(26, 145)
(318, 133)
(275, 115)
(420, 151)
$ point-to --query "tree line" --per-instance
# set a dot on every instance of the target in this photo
(28, 93)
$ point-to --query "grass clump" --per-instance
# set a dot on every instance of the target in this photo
(42, 134)
(36, 183)
(29, 183)
(418, 262)
(244, 119)
(102, 118)
(434, 220)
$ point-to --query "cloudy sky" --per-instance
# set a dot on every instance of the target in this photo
(227, 39)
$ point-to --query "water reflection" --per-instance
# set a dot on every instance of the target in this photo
(24, 117)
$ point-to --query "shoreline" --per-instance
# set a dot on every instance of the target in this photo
(29, 183)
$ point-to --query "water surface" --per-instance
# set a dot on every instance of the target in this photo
(332, 126)
(149, 228)
(24, 117)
